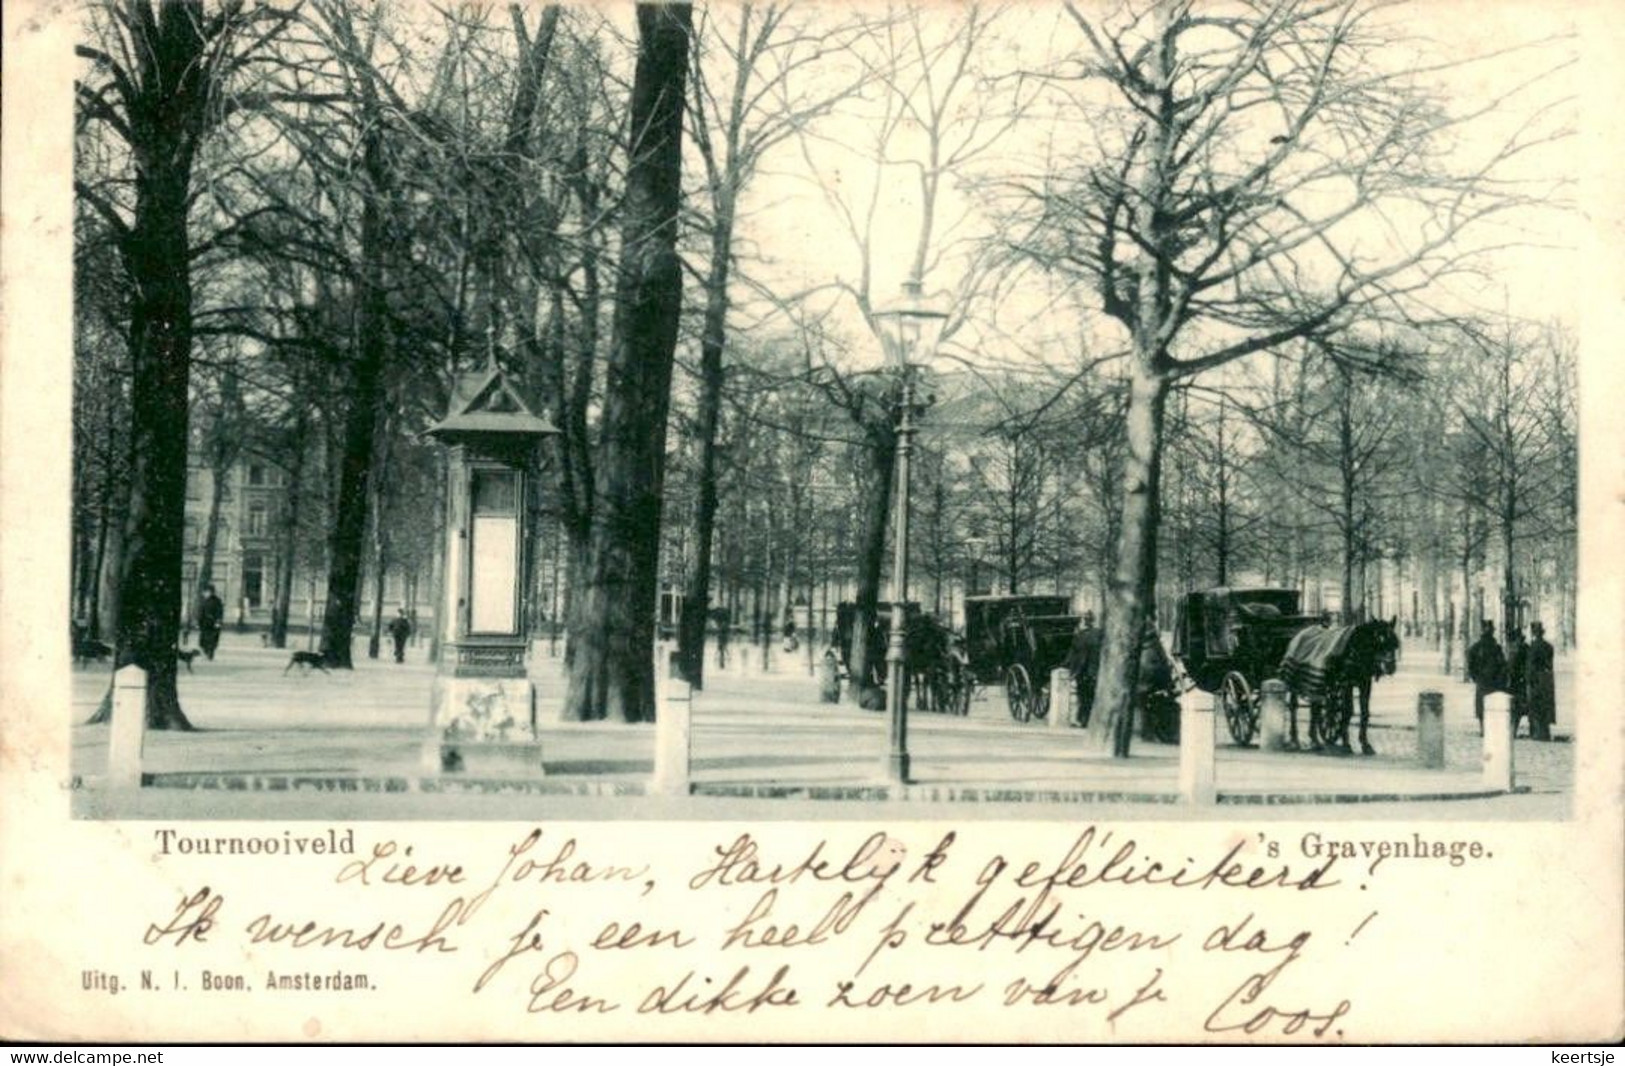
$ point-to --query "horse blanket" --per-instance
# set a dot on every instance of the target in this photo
(1310, 657)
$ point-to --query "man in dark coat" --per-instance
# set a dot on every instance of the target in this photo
(1486, 669)
(400, 627)
(1083, 660)
(1542, 688)
(1518, 677)
(211, 614)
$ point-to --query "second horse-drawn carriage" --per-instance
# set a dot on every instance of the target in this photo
(1013, 641)
(1016, 641)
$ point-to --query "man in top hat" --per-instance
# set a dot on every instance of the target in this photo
(1486, 669)
(1542, 687)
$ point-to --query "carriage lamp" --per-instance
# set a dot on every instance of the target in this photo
(909, 331)
(483, 705)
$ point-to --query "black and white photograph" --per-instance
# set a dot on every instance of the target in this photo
(937, 404)
(686, 424)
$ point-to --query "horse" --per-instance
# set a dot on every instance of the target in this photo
(1326, 665)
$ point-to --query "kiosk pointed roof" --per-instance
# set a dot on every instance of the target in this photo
(484, 401)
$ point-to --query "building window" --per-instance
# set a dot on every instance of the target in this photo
(253, 579)
(256, 520)
(256, 474)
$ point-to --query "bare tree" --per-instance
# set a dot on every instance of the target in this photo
(158, 76)
(739, 114)
(611, 673)
(1241, 149)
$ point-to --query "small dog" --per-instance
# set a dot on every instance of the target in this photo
(187, 656)
(307, 660)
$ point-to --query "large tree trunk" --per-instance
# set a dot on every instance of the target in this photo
(174, 96)
(369, 344)
(612, 672)
(876, 509)
(1134, 578)
(697, 596)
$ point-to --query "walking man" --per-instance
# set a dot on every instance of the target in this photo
(211, 614)
(400, 628)
(1486, 669)
(1542, 699)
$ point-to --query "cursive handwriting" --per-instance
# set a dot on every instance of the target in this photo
(192, 920)
(740, 863)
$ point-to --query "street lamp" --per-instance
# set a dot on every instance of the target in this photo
(909, 331)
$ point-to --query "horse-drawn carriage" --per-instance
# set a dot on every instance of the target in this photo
(935, 675)
(1231, 640)
(1016, 641)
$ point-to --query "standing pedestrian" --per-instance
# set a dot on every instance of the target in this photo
(1518, 677)
(211, 615)
(1486, 669)
(1542, 686)
(1084, 662)
(400, 628)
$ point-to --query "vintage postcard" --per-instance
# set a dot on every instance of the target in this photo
(1081, 523)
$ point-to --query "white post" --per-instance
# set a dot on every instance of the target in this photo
(1060, 698)
(128, 731)
(673, 731)
(1272, 712)
(1498, 741)
(1430, 729)
(829, 680)
(1196, 747)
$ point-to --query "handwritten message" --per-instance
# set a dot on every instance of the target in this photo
(1118, 935)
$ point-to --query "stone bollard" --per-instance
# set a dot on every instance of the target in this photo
(1272, 715)
(128, 731)
(1498, 772)
(1430, 729)
(1060, 698)
(829, 680)
(1196, 747)
(673, 727)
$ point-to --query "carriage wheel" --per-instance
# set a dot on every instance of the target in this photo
(1238, 708)
(1040, 702)
(1332, 719)
(1018, 690)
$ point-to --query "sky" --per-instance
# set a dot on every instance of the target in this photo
(803, 234)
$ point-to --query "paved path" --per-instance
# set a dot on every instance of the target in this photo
(763, 747)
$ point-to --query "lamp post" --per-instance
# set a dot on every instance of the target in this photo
(909, 331)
